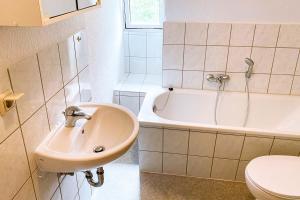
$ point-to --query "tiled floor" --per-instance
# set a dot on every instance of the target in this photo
(125, 182)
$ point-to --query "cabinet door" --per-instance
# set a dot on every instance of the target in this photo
(86, 3)
(52, 8)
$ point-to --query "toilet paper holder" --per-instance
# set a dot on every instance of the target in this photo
(8, 100)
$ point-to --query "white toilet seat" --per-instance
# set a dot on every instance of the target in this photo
(274, 177)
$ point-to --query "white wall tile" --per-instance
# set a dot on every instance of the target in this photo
(263, 59)
(132, 103)
(285, 147)
(72, 92)
(199, 166)
(151, 139)
(240, 175)
(285, 61)
(138, 65)
(229, 146)
(85, 86)
(51, 74)
(236, 82)
(45, 184)
(127, 64)
(196, 33)
(297, 72)
(150, 161)
(194, 57)
(296, 86)
(224, 169)
(25, 77)
(172, 78)
(202, 144)
(27, 192)
(137, 45)
(69, 187)
(175, 141)
(289, 36)
(34, 131)
(154, 45)
(9, 121)
(174, 164)
(154, 65)
(280, 84)
(236, 59)
(174, 33)
(255, 147)
(81, 47)
(242, 34)
(192, 79)
(216, 58)
(259, 83)
(173, 56)
(68, 59)
(266, 35)
(218, 34)
(13, 157)
(55, 106)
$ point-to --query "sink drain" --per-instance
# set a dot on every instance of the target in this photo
(98, 149)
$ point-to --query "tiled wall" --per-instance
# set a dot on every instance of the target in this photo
(205, 154)
(143, 51)
(52, 79)
(193, 50)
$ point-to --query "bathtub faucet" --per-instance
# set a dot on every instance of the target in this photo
(218, 78)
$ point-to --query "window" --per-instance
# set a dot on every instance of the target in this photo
(143, 13)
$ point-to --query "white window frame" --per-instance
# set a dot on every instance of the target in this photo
(127, 17)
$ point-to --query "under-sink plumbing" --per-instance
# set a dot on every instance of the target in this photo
(91, 181)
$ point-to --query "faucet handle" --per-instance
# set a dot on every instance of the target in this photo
(71, 110)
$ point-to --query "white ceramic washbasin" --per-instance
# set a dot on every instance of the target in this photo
(72, 149)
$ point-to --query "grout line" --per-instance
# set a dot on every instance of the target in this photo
(183, 54)
(187, 154)
(271, 73)
(205, 55)
(47, 113)
(62, 76)
(294, 75)
(23, 186)
(243, 145)
(212, 162)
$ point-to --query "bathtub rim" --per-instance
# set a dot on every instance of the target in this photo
(148, 118)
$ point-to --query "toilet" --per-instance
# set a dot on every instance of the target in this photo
(274, 177)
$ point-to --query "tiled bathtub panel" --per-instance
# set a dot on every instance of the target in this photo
(285, 147)
(150, 161)
(151, 139)
(174, 164)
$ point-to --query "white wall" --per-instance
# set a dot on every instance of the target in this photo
(249, 11)
(105, 37)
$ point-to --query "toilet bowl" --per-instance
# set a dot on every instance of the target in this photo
(274, 177)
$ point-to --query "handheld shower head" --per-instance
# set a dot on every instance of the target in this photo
(250, 64)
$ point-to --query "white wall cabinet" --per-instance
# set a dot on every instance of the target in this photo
(86, 3)
(42, 12)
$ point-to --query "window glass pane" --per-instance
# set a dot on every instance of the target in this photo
(145, 12)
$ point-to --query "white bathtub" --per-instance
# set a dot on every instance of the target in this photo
(270, 115)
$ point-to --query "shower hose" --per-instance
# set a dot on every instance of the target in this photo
(247, 108)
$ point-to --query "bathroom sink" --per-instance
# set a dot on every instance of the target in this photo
(91, 143)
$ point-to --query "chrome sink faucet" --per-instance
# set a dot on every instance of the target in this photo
(218, 78)
(74, 113)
